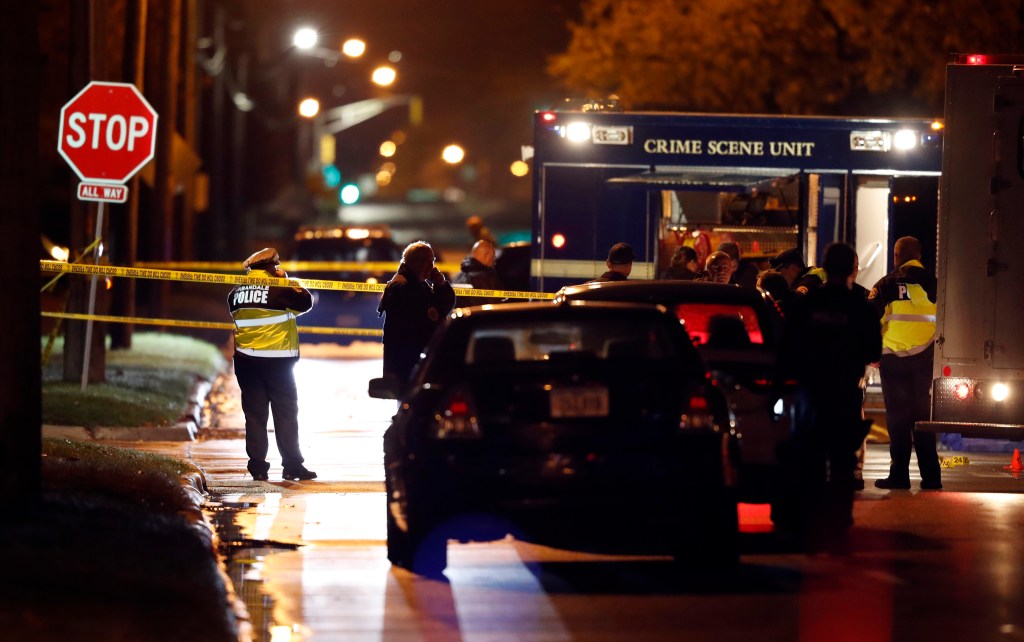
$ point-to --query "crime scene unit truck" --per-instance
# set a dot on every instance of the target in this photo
(769, 183)
(978, 383)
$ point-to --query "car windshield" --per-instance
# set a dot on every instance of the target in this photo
(720, 325)
(598, 338)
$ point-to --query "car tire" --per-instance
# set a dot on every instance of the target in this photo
(421, 548)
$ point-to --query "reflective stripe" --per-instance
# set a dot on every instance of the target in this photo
(924, 318)
(249, 323)
(268, 353)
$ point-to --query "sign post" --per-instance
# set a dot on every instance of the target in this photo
(107, 133)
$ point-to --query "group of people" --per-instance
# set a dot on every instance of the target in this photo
(834, 329)
(414, 302)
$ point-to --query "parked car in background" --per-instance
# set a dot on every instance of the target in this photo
(588, 426)
(737, 331)
(372, 257)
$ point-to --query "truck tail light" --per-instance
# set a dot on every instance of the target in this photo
(456, 416)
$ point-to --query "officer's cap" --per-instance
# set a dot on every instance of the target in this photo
(264, 259)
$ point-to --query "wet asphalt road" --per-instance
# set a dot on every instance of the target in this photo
(309, 558)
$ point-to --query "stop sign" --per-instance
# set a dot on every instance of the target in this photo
(107, 132)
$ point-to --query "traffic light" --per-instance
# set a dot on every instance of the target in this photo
(332, 176)
(349, 194)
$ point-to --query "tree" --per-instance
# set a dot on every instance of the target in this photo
(885, 57)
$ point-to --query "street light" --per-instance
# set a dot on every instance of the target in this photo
(384, 76)
(309, 108)
(353, 47)
(453, 154)
(305, 38)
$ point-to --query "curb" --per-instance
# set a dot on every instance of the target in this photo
(185, 429)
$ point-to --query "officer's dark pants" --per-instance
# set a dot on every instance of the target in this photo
(268, 383)
(828, 431)
(906, 388)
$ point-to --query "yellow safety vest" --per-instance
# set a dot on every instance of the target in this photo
(266, 333)
(908, 325)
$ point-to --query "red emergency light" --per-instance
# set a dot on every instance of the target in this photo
(976, 59)
(547, 116)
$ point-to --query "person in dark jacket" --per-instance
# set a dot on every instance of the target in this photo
(831, 335)
(266, 351)
(413, 304)
(904, 300)
(619, 263)
(683, 266)
(743, 274)
(477, 271)
(772, 283)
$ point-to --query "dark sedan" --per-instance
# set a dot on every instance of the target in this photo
(355, 246)
(589, 426)
(737, 331)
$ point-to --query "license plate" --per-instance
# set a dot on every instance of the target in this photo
(579, 402)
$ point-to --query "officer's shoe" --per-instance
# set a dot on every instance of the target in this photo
(260, 476)
(299, 474)
(931, 485)
(892, 484)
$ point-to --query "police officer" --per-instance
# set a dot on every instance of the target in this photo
(905, 301)
(266, 351)
(831, 335)
(801, 279)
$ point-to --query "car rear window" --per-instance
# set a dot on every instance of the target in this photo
(720, 325)
(345, 249)
(598, 338)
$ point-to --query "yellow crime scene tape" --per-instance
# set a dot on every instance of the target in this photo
(213, 325)
(291, 266)
(62, 268)
(237, 279)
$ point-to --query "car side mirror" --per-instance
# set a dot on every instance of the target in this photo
(387, 387)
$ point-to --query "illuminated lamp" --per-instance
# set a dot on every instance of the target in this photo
(962, 391)
(905, 139)
(577, 132)
(1000, 392)
(558, 241)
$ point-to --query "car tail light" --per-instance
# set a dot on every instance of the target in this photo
(456, 416)
(698, 413)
